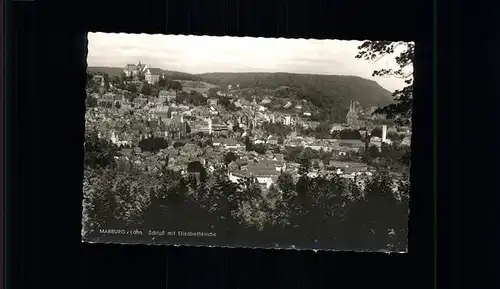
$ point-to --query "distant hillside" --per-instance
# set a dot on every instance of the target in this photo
(198, 86)
(111, 71)
(181, 75)
(320, 90)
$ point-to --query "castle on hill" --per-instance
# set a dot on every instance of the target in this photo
(150, 74)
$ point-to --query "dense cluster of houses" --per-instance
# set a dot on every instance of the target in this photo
(129, 122)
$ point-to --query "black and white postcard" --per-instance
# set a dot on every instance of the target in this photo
(247, 142)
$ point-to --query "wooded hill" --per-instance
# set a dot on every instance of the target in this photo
(313, 87)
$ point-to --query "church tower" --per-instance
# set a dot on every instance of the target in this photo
(254, 114)
(352, 115)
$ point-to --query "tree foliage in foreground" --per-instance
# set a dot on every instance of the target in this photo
(321, 211)
(98, 152)
(401, 109)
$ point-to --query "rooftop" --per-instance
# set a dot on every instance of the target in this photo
(155, 71)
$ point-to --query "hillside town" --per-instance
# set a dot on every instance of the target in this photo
(226, 130)
(258, 155)
(232, 147)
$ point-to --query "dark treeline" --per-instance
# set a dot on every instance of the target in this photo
(322, 131)
(153, 144)
(193, 98)
(277, 129)
(297, 154)
(308, 212)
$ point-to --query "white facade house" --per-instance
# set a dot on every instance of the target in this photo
(266, 181)
(235, 177)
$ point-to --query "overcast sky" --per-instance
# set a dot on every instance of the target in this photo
(199, 54)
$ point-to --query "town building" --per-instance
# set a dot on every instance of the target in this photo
(160, 112)
(176, 127)
(266, 100)
(266, 172)
(218, 127)
(336, 127)
(273, 140)
(153, 75)
(119, 99)
(406, 141)
(232, 144)
(288, 120)
(212, 102)
(201, 126)
(106, 99)
(98, 79)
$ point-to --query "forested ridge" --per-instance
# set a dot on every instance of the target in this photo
(316, 88)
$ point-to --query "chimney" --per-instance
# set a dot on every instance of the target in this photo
(384, 133)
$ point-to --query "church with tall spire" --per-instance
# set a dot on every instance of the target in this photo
(134, 69)
(352, 115)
